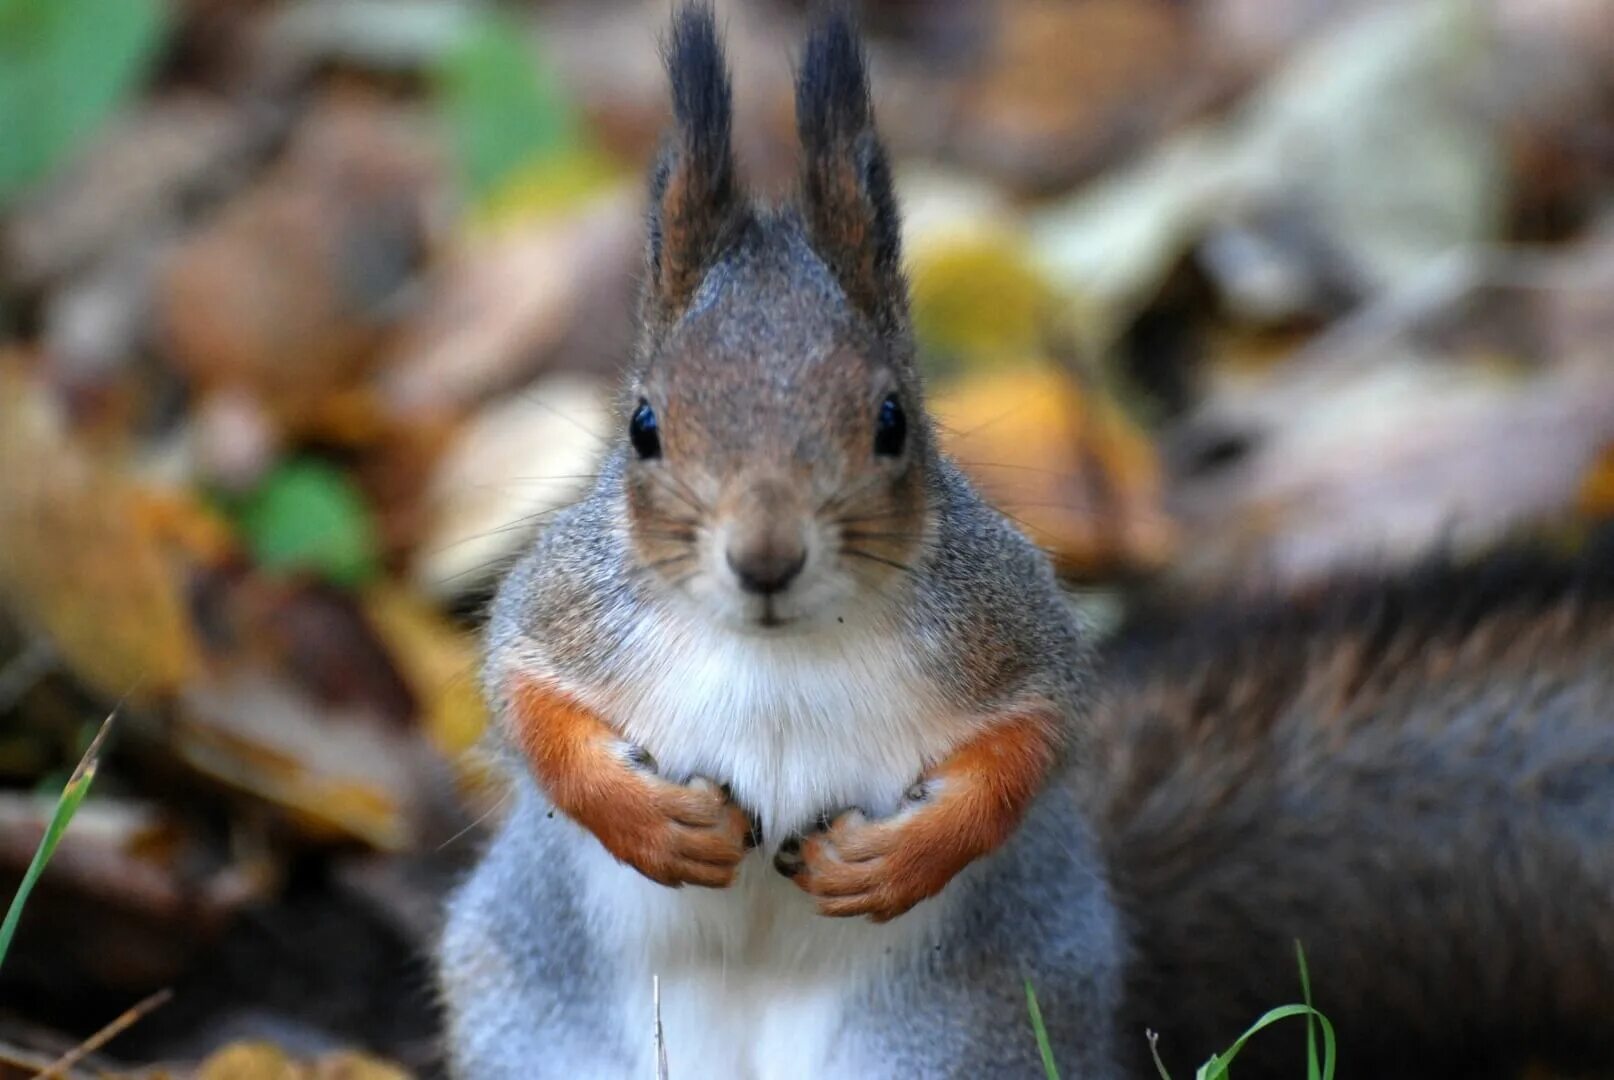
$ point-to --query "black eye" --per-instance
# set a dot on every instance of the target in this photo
(642, 431)
(890, 427)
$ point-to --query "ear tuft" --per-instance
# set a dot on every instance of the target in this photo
(695, 201)
(847, 195)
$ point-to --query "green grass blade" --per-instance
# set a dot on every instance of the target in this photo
(67, 804)
(1043, 1045)
(1313, 1069)
(1218, 1066)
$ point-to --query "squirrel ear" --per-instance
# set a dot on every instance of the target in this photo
(695, 201)
(847, 198)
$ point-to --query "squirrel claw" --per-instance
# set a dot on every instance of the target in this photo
(853, 866)
(694, 834)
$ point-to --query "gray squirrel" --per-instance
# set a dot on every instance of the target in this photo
(802, 729)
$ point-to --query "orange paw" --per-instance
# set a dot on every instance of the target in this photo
(674, 834)
(876, 868)
(679, 834)
(962, 809)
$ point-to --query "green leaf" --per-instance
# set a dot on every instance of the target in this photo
(1043, 1045)
(505, 110)
(67, 804)
(307, 515)
(64, 66)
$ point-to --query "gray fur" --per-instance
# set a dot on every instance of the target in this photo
(529, 983)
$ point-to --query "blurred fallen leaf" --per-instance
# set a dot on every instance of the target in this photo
(977, 297)
(1364, 134)
(81, 58)
(1066, 87)
(501, 303)
(336, 772)
(307, 515)
(521, 150)
(547, 189)
(504, 106)
(514, 462)
(85, 563)
(290, 290)
(264, 1061)
(1596, 499)
(1065, 463)
(134, 177)
(1474, 403)
(441, 663)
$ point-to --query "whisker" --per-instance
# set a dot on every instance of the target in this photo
(873, 584)
(694, 500)
(839, 500)
(863, 534)
(679, 581)
(530, 396)
(679, 490)
(861, 554)
(869, 519)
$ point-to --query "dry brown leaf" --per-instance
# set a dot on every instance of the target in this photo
(1064, 462)
(1069, 85)
(337, 773)
(504, 301)
(441, 664)
(264, 1061)
(291, 290)
(1597, 487)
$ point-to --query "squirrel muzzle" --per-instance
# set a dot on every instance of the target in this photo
(765, 538)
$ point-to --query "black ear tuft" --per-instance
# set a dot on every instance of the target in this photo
(847, 196)
(695, 201)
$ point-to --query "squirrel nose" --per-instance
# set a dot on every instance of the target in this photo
(769, 569)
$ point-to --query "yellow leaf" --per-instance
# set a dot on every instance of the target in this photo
(85, 564)
(440, 662)
(1064, 462)
(1596, 498)
(264, 1061)
(976, 297)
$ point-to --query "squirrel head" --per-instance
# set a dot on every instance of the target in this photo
(778, 450)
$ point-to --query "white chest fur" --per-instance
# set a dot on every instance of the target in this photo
(753, 979)
(796, 724)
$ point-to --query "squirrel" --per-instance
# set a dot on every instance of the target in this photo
(814, 770)
(776, 688)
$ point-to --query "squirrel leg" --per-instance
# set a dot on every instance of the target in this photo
(673, 834)
(959, 810)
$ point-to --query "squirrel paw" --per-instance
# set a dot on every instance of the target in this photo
(680, 834)
(855, 866)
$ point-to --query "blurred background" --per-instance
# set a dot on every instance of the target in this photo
(309, 308)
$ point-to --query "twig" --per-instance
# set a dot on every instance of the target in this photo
(660, 1038)
(130, 1017)
(22, 1059)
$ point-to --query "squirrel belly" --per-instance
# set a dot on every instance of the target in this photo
(753, 979)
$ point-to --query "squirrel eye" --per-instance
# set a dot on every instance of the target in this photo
(643, 433)
(890, 427)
